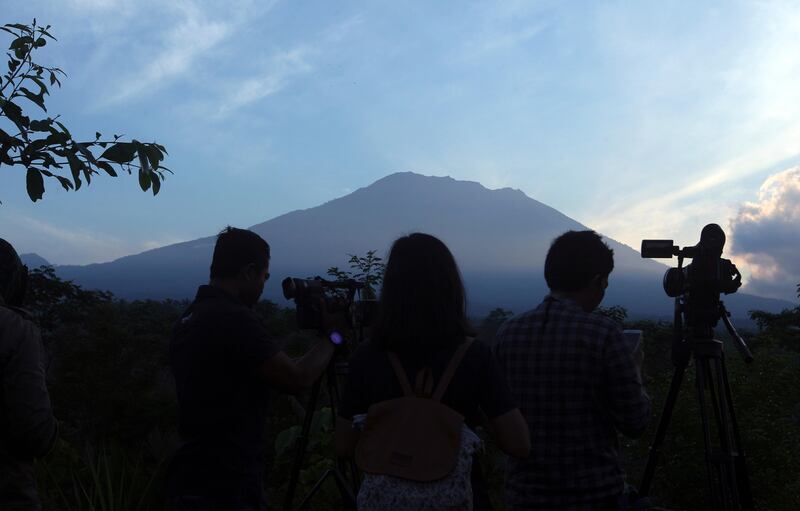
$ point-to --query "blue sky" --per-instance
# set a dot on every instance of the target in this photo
(639, 119)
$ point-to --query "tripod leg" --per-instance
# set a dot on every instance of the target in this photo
(661, 430)
(726, 444)
(301, 445)
(716, 497)
(724, 457)
(740, 467)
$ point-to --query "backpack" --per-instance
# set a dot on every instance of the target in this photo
(415, 452)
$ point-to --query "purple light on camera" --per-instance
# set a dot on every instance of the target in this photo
(336, 338)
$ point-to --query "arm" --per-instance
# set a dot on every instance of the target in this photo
(509, 427)
(294, 376)
(31, 427)
(511, 432)
(628, 403)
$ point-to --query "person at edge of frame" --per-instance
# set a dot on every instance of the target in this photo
(578, 384)
(224, 364)
(28, 429)
(422, 319)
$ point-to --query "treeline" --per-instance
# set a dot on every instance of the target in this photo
(112, 392)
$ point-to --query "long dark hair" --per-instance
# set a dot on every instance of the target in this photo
(422, 303)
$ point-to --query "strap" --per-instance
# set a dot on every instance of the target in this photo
(400, 373)
(451, 369)
(423, 385)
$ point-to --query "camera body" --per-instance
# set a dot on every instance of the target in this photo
(315, 296)
(700, 283)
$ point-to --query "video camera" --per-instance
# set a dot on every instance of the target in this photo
(337, 297)
(697, 286)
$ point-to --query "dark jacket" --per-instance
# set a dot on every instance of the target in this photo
(27, 426)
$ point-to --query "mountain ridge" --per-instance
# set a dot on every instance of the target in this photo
(499, 238)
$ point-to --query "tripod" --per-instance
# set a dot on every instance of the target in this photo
(725, 461)
(347, 490)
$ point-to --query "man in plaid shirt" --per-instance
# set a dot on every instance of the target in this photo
(577, 383)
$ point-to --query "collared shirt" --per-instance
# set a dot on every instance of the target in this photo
(577, 384)
(216, 351)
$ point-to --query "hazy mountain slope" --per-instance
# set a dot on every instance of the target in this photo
(499, 237)
(32, 260)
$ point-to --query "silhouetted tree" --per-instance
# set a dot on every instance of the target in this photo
(45, 147)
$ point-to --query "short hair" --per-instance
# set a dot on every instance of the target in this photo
(235, 249)
(575, 258)
(422, 303)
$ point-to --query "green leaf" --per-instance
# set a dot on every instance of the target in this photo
(35, 98)
(14, 113)
(19, 26)
(107, 167)
(156, 183)
(21, 42)
(52, 78)
(34, 184)
(144, 180)
(65, 183)
(154, 155)
(63, 128)
(43, 125)
(40, 42)
(42, 87)
(75, 165)
(121, 152)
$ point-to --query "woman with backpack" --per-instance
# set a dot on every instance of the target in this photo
(418, 388)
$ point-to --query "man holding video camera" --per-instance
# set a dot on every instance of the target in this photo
(578, 383)
(224, 365)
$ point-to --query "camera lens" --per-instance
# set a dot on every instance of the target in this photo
(674, 282)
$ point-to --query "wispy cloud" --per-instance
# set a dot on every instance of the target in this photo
(176, 52)
(282, 67)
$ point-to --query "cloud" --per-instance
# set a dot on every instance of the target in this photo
(283, 65)
(176, 52)
(766, 235)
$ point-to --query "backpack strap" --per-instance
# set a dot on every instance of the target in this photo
(423, 385)
(451, 369)
(400, 373)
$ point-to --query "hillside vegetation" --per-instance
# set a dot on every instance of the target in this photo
(112, 392)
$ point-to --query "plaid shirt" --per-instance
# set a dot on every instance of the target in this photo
(576, 382)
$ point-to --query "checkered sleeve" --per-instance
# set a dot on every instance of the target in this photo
(628, 403)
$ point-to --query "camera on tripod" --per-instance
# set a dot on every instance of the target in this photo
(314, 296)
(696, 289)
(700, 283)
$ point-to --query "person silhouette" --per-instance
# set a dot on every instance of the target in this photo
(28, 429)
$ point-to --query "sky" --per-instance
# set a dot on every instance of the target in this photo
(638, 119)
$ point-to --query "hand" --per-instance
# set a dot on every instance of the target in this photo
(333, 321)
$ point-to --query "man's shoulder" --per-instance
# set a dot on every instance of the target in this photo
(13, 318)
(518, 324)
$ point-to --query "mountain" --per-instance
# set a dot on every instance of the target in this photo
(32, 260)
(499, 238)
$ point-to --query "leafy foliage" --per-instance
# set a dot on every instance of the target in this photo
(45, 147)
(367, 269)
(615, 312)
(112, 392)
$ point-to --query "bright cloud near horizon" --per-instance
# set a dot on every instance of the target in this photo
(640, 120)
